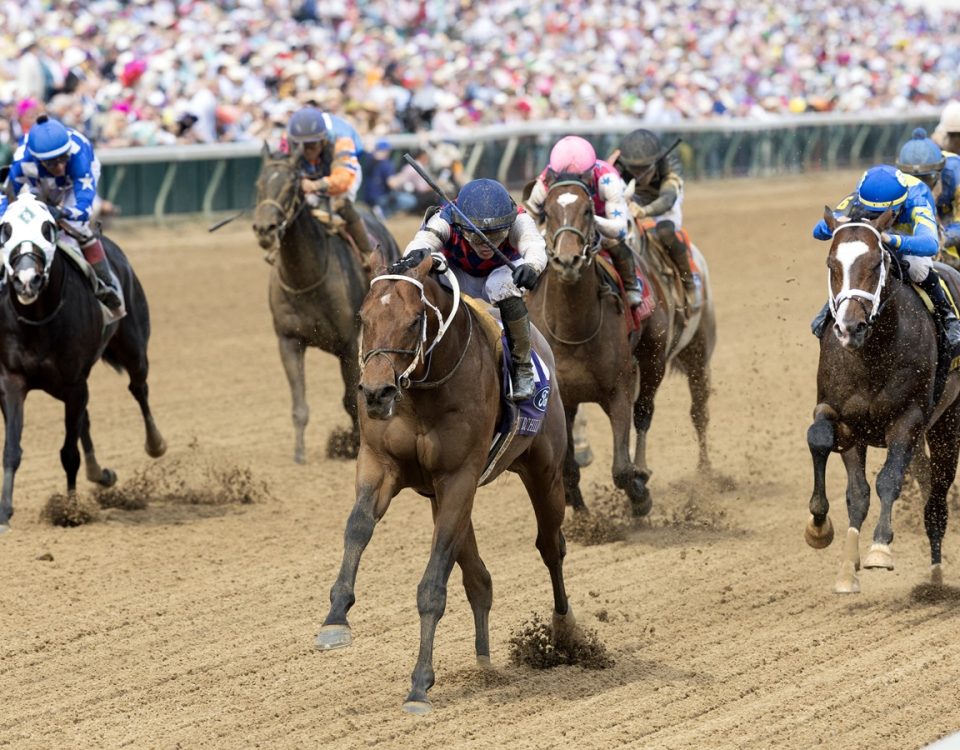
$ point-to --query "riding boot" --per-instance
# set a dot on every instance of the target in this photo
(516, 324)
(680, 255)
(819, 323)
(97, 258)
(943, 310)
(623, 261)
(358, 231)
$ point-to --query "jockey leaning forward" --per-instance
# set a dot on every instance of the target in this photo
(58, 165)
(484, 274)
(327, 150)
(913, 238)
(573, 157)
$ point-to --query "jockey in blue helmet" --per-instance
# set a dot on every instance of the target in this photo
(484, 274)
(913, 237)
(922, 158)
(327, 149)
(58, 164)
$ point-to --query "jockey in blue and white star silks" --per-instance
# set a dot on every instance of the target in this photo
(574, 157)
(58, 165)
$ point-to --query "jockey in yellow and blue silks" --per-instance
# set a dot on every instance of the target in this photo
(327, 149)
(914, 236)
(484, 274)
(58, 163)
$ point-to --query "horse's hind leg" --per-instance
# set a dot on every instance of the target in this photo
(103, 477)
(479, 588)
(858, 503)
(944, 440)
(350, 373)
(291, 355)
(75, 405)
(12, 396)
(128, 349)
(693, 360)
(571, 468)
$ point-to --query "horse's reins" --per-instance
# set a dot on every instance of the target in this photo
(42, 262)
(423, 353)
(859, 295)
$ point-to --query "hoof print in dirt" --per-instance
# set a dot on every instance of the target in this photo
(533, 645)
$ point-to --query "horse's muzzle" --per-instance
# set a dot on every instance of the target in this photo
(567, 269)
(266, 235)
(380, 400)
(27, 288)
(851, 335)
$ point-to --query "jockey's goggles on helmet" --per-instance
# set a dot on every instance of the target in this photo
(496, 237)
(57, 161)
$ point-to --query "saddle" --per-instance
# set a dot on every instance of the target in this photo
(609, 275)
(73, 254)
(943, 354)
(665, 268)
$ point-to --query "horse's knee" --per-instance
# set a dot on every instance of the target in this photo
(889, 483)
(301, 415)
(431, 599)
(821, 436)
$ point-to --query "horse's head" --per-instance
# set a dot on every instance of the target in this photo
(28, 241)
(857, 268)
(395, 317)
(278, 198)
(571, 235)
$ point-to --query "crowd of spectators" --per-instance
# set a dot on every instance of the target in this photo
(154, 72)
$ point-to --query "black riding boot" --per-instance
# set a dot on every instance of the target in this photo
(680, 255)
(516, 323)
(819, 324)
(623, 261)
(357, 230)
(943, 310)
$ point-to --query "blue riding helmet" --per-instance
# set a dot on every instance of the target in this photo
(881, 188)
(920, 156)
(307, 125)
(47, 139)
(487, 204)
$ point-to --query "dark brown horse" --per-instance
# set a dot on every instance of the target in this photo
(430, 395)
(597, 358)
(316, 287)
(878, 385)
(52, 332)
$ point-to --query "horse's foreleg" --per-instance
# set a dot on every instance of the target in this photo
(571, 469)
(858, 503)
(103, 477)
(944, 440)
(454, 503)
(902, 438)
(75, 404)
(375, 490)
(479, 588)
(291, 355)
(12, 398)
(626, 476)
(821, 438)
(350, 373)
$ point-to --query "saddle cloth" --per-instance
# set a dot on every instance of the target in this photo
(928, 303)
(523, 418)
(72, 252)
(609, 275)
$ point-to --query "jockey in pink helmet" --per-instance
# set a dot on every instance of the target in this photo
(574, 157)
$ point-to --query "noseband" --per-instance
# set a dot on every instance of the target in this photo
(289, 214)
(860, 295)
(589, 245)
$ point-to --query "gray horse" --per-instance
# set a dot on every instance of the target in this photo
(316, 287)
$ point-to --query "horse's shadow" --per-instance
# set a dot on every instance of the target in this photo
(167, 513)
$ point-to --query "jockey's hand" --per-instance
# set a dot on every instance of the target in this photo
(638, 211)
(525, 276)
(56, 212)
(308, 185)
(889, 240)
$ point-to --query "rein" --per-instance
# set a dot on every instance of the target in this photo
(859, 295)
(46, 276)
(553, 334)
(590, 246)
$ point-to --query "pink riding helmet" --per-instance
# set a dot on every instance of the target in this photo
(572, 154)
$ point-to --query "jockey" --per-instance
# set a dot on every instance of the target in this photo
(573, 156)
(482, 273)
(658, 195)
(327, 149)
(58, 165)
(922, 158)
(913, 237)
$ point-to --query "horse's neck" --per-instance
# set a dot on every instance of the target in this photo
(447, 354)
(572, 310)
(304, 251)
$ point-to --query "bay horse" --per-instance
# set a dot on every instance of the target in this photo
(316, 287)
(598, 359)
(430, 396)
(878, 385)
(52, 332)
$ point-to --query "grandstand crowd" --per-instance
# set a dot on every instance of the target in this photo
(161, 72)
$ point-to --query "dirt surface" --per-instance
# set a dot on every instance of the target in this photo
(189, 623)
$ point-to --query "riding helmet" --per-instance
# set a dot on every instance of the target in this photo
(881, 187)
(308, 125)
(641, 148)
(920, 156)
(572, 154)
(47, 139)
(487, 204)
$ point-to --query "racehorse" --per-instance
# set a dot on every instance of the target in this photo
(52, 332)
(430, 395)
(597, 358)
(316, 287)
(878, 385)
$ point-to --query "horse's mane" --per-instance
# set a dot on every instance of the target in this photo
(406, 263)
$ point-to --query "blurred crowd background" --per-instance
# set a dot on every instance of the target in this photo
(162, 72)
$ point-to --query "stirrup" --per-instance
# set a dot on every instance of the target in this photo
(524, 385)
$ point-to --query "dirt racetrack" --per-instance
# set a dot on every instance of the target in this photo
(190, 624)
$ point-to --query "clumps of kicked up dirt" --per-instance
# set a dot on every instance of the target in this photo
(68, 510)
(533, 646)
(343, 443)
(607, 519)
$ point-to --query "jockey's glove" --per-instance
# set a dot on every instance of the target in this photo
(951, 238)
(56, 212)
(638, 211)
(525, 276)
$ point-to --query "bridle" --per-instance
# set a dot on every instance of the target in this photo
(422, 353)
(859, 295)
(589, 245)
(40, 258)
(291, 212)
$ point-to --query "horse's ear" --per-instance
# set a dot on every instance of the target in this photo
(6, 230)
(49, 231)
(265, 151)
(830, 219)
(885, 221)
(629, 190)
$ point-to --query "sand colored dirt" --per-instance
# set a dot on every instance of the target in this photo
(189, 623)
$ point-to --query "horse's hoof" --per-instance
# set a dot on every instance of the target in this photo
(333, 636)
(418, 708)
(640, 501)
(483, 661)
(108, 478)
(4, 528)
(847, 581)
(936, 575)
(819, 537)
(583, 455)
(564, 627)
(298, 458)
(879, 556)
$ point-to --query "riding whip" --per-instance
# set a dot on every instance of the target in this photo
(456, 209)
(223, 222)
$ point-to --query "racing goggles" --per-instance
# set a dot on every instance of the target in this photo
(57, 161)
(496, 237)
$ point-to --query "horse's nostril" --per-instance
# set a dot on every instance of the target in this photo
(861, 327)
